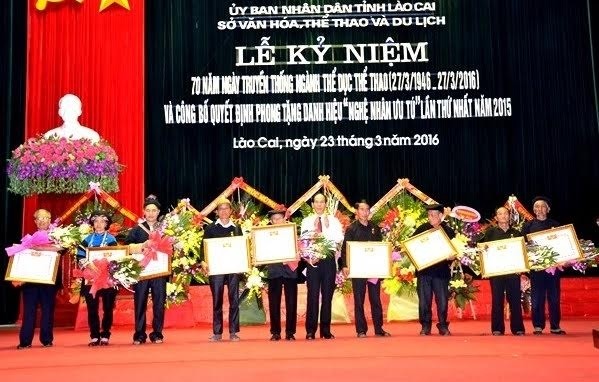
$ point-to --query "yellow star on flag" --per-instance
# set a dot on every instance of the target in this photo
(106, 3)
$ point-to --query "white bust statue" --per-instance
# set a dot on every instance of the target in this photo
(69, 109)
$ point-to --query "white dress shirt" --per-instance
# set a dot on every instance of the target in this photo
(333, 231)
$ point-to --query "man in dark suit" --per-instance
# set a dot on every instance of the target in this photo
(363, 230)
(544, 285)
(282, 276)
(35, 294)
(434, 279)
(223, 227)
(139, 235)
(505, 285)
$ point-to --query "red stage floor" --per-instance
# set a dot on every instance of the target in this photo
(471, 354)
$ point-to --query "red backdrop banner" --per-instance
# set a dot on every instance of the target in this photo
(98, 56)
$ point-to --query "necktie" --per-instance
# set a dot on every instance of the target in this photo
(319, 224)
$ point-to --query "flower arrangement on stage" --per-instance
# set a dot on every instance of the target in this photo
(314, 246)
(70, 236)
(342, 284)
(255, 283)
(246, 214)
(185, 228)
(102, 273)
(467, 256)
(60, 165)
(403, 276)
(590, 257)
(399, 218)
(462, 289)
(541, 257)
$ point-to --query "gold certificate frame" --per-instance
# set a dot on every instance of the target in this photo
(155, 268)
(33, 266)
(274, 244)
(429, 248)
(226, 255)
(115, 252)
(369, 259)
(503, 257)
(562, 239)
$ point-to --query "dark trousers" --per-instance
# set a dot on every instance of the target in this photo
(108, 297)
(545, 285)
(376, 308)
(502, 287)
(44, 295)
(320, 282)
(275, 288)
(140, 300)
(427, 286)
(217, 287)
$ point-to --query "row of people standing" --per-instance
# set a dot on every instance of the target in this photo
(545, 286)
(320, 279)
(319, 276)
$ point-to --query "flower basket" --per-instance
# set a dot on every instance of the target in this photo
(62, 166)
(251, 309)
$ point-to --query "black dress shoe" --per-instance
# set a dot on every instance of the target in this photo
(290, 337)
(425, 332)
(310, 336)
(383, 334)
(48, 345)
(558, 331)
(361, 335)
(328, 336)
(444, 332)
(275, 337)
(19, 346)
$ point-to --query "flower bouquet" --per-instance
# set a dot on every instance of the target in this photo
(462, 289)
(342, 284)
(314, 246)
(59, 165)
(246, 214)
(467, 256)
(103, 274)
(403, 281)
(255, 282)
(251, 306)
(590, 257)
(184, 227)
(541, 257)
(339, 311)
(70, 236)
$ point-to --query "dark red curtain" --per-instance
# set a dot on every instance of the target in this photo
(99, 56)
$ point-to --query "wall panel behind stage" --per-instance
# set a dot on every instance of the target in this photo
(536, 53)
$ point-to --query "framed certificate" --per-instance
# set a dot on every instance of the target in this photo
(503, 257)
(562, 239)
(369, 259)
(274, 244)
(225, 255)
(429, 248)
(115, 252)
(33, 266)
(161, 266)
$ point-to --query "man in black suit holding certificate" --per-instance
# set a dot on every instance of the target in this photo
(505, 285)
(434, 279)
(363, 230)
